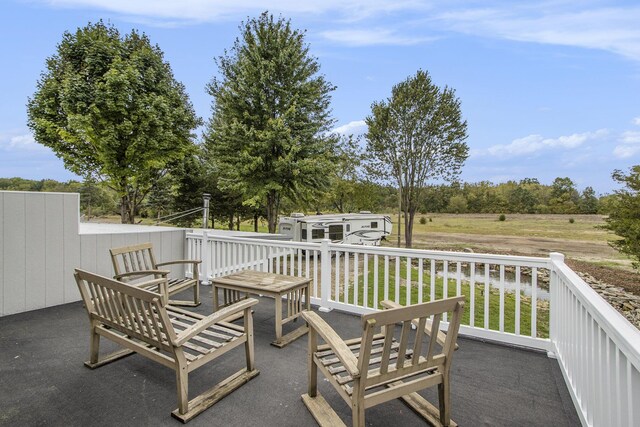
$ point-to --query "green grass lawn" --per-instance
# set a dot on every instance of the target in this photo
(542, 312)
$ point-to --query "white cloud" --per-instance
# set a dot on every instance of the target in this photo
(208, 10)
(636, 121)
(373, 37)
(630, 145)
(534, 143)
(613, 29)
(17, 143)
(352, 128)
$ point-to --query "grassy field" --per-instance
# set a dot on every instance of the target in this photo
(521, 225)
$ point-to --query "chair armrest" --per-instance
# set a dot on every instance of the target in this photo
(440, 338)
(218, 316)
(337, 344)
(180, 261)
(141, 273)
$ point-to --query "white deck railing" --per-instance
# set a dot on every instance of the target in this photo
(598, 351)
(529, 301)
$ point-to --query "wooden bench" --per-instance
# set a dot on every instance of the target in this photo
(135, 262)
(143, 322)
(375, 368)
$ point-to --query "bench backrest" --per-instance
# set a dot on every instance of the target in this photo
(415, 352)
(133, 311)
(133, 258)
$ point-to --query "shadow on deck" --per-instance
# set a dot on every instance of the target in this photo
(43, 380)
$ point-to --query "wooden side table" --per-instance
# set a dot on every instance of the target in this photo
(296, 289)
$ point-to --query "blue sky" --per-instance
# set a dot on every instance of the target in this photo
(548, 88)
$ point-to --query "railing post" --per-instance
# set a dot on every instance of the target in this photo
(556, 258)
(204, 275)
(325, 276)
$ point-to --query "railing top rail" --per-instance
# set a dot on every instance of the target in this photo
(257, 241)
(621, 331)
(446, 255)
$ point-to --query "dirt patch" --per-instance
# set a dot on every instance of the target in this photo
(627, 280)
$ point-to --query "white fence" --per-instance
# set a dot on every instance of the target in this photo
(42, 241)
(356, 278)
(534, 302)
(598, 351)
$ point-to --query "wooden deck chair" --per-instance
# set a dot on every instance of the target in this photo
(142, 322)
(131, 263)
(376, 368)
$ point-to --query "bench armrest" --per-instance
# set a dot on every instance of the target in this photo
(216, 317)
(333, 340)
(179, 261)
(440, 338)
(141, 273)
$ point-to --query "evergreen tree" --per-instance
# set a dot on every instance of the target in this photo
(269, 133)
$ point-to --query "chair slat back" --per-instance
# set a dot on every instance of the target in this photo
(133, 258)
(410, 355)
(136, 312)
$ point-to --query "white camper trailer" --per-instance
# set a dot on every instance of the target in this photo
(363, 228)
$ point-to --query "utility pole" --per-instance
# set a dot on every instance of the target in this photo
(205, 213)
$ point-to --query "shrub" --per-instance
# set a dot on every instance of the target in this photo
(571, 220)
(502, 217)
(423, 220)
(430, 219)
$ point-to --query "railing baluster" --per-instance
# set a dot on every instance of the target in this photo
(420, 281)
(458, 278)
(501, 319)
(432, 287)
(517, 308)
(375, 281)
(534, 302)
(347, 260)
(445, 284)
(397, 281)
(386, 277)
(487, 291)
(336, 297)
(408, 283)
(355, 278)
(472, 294)
(365, 285)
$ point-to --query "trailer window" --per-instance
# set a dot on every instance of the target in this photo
(317, 234)
(335, 232)
(304, 234)
(374, 224)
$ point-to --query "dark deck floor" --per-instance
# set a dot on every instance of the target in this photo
(43, 381)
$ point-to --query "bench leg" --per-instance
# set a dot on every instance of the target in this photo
(215, 394)
(94, 347)
(196, 293)
(182, 383)
(248, 345)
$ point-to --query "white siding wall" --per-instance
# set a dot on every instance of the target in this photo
(40, 245)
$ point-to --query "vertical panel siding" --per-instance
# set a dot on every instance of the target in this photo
(40, 246)
(14, 253)
(35, 249)
(54, 259)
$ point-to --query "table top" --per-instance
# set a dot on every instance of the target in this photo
(261, 281)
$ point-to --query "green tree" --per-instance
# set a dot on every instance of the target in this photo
(588, 201)
(269, 132)
(624, 218)
(110, 108)
(415, 136)
(564, 196)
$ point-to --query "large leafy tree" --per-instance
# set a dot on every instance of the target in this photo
(624, 216)
(415, 136)
(269, 132)
(109, 107)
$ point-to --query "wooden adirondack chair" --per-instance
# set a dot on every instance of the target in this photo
(376, 368)
(141, 321)
(136, 262)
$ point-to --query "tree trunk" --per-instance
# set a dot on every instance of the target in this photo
(408, 226)
(238, 222)
(231, 221)
(399, 213)
(272, 210)
(255, 222)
